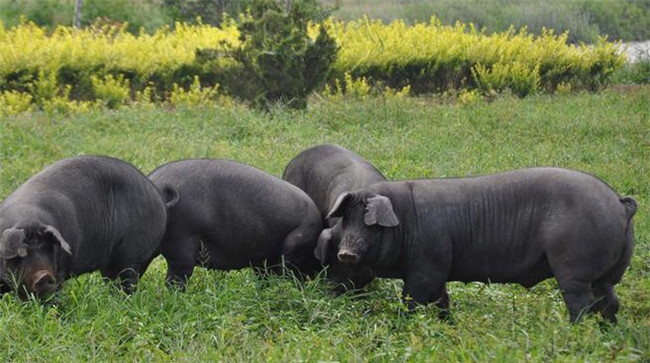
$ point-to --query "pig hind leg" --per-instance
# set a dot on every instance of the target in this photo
(577, 296)
(606, 302)
(298, 251)
(574, 281)
(576, 263)
(180, 252)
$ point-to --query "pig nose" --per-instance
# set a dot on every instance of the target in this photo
(44, 283)
(347, 256)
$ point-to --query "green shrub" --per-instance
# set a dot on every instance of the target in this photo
(195, 95)
(46, 13)
(45, 87)
(14, 102)
(634, 73)
(281, 62)
(517, 77)
(437, 58)
(111, 91)
(274, 56)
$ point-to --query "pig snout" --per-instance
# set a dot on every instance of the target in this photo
(44, 283)
(348, 256)
(351, 250)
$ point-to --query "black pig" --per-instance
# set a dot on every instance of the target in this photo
(324, 172)
(227, 215)
(79, 215)
(520, 226)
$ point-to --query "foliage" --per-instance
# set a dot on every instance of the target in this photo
(234, 317)
(14, 102)
(137, 15)
(71, 58)
(208, 11)
(275, 61)
(196, 95)
(634, 73)
(111, 91)
(625, 20)
(279, 59)
(437, 57)
(585, 20)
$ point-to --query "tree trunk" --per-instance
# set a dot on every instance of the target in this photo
(77, 14)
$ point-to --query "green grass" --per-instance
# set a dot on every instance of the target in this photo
(233, 317)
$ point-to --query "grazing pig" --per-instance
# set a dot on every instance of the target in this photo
(79, 215)
(519, 226)
(226, 215)
(324, 172)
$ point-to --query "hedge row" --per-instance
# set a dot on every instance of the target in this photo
(434, 57)
(109, 65)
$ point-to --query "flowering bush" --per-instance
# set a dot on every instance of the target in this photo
(434, 57)
(107, 64)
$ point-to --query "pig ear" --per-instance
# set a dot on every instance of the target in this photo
(337, 208)
(380, 211)
(58, 238)
(323, 245)
(11, 243)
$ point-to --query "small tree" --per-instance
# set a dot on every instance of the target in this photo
(279, 59)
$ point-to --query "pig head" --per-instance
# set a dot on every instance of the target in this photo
(29, 256)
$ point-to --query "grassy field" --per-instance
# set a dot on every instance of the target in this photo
(233, 317)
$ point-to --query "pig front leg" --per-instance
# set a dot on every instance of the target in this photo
(421, 289)
(126, 273)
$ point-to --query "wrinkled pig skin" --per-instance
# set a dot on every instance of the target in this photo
(520, 226)
(79, 215)
(227, 215)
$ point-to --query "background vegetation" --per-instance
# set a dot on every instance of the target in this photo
(626, 20)
(585, 20)
(272, 55)
(278, 57)
(233, 317)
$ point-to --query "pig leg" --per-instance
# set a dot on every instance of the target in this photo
(574, 269)
(421, 290)
(577, 296)
(298, 251)
(127, 273)
(606, 302)
(181, 254)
